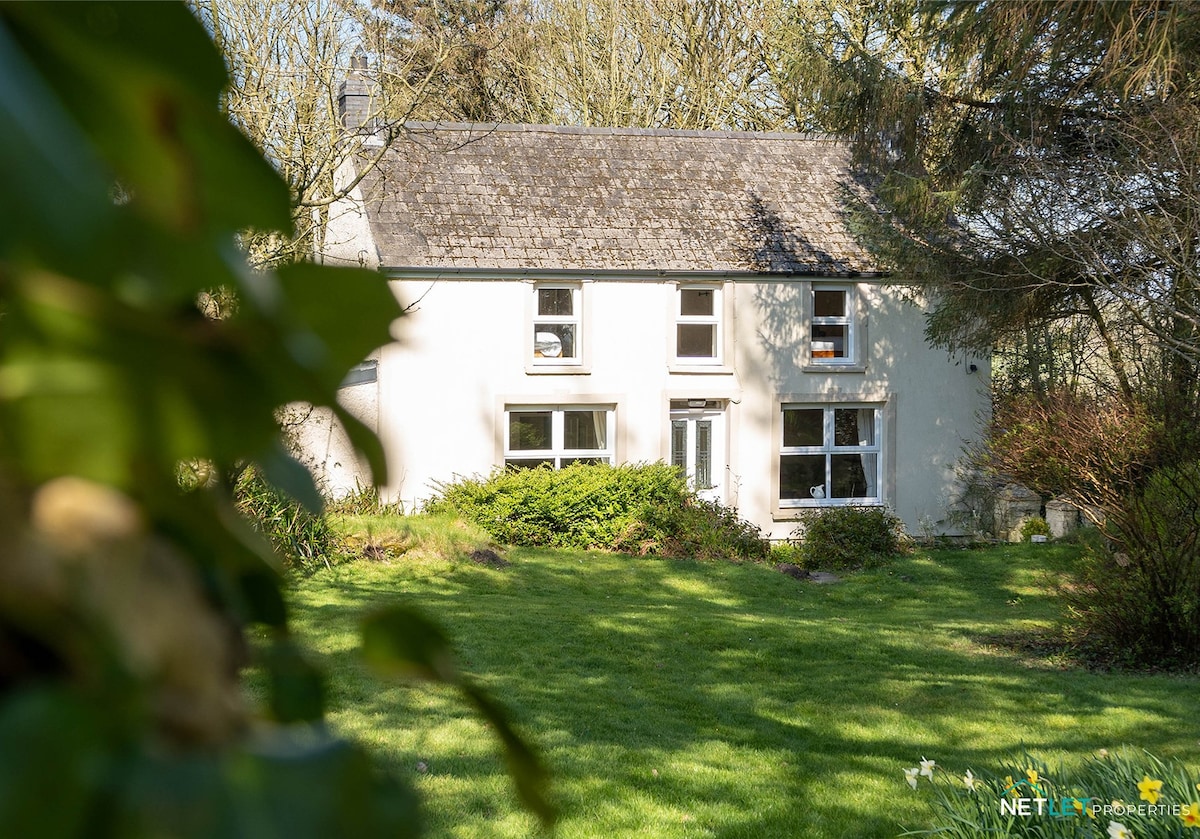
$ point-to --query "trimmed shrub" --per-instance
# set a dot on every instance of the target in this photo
(845, 538)
(643, 509)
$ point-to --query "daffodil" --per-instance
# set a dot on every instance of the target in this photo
(1032, 775)
(1149, 789)
(927, 768)
(1190, 813)
(1116, 830)
(1010, 786)
(971, 781)
(910, 775)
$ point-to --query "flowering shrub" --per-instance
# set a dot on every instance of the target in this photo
(1111, 796)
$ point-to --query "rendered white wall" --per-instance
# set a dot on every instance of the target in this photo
(461, 357)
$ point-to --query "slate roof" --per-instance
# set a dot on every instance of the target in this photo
(523, 197)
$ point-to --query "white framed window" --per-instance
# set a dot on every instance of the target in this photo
(698, 337)
(833, 334)
(557, 435)
(830, 454)
(557, 333)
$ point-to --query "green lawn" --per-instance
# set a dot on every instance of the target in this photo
(684, 699)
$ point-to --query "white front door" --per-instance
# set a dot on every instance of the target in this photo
(698, 446)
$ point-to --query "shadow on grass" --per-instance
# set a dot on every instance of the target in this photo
(688, 699)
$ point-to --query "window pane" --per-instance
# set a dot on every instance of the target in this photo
(556, 301)
(679, 444)
(512, 463)
(696, 301)
(799, 474)
(697, 340)
(803, 427)
(554, 340)
(571, 461)
(854, 426)
(529, 430)
(704, 454)
(849, 473)
(829, 304)
(829, 341)
(585, 430)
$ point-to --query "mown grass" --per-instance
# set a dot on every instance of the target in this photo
(685, 699)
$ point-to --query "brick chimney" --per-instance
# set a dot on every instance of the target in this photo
(354, 96)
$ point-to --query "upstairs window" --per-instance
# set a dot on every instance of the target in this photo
(557, 325)
(832, 332)
(557, 436)
(830, 454)
(698, 325)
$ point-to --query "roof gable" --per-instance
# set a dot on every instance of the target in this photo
(610, 200)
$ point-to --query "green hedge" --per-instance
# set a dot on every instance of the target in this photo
(844, 538)
(643, 509)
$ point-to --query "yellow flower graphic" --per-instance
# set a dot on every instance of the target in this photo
(1149, 789)
(1190, 813)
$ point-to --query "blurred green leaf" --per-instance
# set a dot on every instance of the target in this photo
(344, 309)
(142, 80)
(297, 687)
(398, 641)
(304, 784)
(294, 782)
(51, 744)
(54, 185)
(287, 474)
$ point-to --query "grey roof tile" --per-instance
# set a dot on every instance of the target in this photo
(555, 197)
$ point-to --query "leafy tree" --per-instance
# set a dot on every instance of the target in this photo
(125, 604)
(1037, 168)
(1037, 175)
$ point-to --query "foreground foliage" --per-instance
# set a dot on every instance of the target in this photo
(644, 509)
(124, 601)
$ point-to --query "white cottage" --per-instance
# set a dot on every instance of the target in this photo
(619, 295)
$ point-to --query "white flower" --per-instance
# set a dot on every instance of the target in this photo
(972, 783)
(927, 768)
(910, 775)
(1116, 830)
